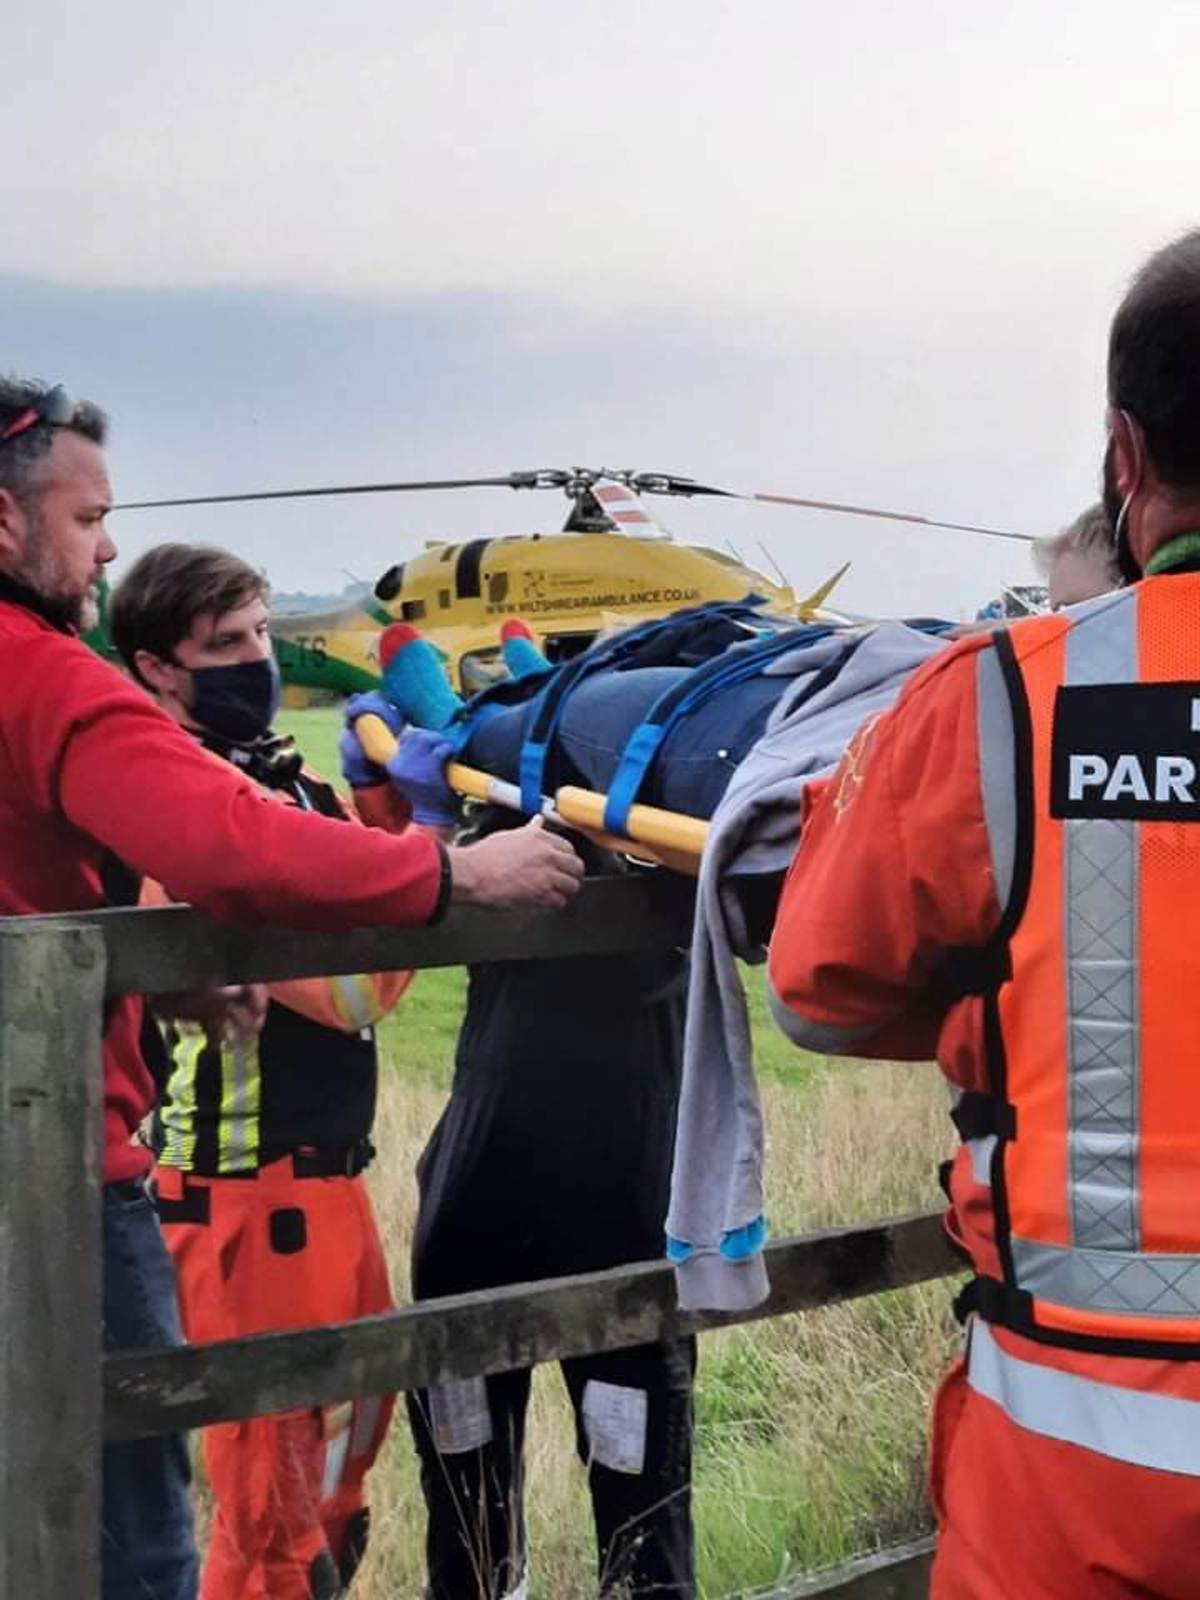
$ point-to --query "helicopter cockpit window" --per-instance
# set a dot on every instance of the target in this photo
(564, 646)
(479, 669)
(467, 570)
(391, 583)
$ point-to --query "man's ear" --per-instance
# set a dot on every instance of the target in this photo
(1129, 450)
(14, 528)
(154, 672)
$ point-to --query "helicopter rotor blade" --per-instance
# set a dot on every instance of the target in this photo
(635, 483)
(889, 516)
(549, 478)
(668, 483)
(671, 483)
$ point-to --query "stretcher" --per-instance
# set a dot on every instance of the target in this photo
(667, 838)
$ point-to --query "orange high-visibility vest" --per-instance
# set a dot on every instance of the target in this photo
(1093, 1013)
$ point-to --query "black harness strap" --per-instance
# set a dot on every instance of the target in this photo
(980, 1116)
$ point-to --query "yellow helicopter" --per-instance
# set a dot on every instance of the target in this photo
(612, 563)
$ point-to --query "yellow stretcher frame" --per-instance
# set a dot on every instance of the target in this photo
(669, 838)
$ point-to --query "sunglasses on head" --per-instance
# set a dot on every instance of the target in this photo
(55, 408)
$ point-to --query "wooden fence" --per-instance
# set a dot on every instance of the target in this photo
(60, 1396)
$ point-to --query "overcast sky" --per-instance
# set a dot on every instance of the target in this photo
(857, 252)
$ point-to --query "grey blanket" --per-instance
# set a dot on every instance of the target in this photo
(716, 1188)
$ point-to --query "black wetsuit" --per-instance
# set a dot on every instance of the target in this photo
(553, 1157)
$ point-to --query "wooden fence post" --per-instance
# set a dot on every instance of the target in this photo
(899, 1573)
(51, 998)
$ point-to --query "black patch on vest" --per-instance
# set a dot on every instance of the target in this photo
(1127, 750)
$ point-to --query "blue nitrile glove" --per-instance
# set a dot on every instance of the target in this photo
(357, 769)
(418, 770)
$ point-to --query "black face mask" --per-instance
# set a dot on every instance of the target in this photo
(239, 702)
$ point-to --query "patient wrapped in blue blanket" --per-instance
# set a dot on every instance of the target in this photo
(662, 714)
(723, 713)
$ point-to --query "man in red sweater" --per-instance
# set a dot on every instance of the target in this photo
(97, 787)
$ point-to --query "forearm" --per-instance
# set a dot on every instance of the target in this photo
(212, 839)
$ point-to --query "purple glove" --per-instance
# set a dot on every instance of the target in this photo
(357, 769)
(418, 771)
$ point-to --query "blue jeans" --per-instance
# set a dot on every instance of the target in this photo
(148, 1546)
(694, 765)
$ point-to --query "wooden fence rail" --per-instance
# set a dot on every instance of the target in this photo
(60, 1395)
(470, 1334)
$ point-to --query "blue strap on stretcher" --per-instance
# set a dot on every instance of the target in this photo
(535, 752)
(467, 719)
(681, 700)
(531, 767)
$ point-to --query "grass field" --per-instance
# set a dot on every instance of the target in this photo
(810, 1429)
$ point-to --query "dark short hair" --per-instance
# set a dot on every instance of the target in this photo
(19, 456)
(1154, 358)
(157, 602)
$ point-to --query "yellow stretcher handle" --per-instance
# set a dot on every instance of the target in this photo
(668, 837)
(666, 830)
(377, 739)
(471, 782)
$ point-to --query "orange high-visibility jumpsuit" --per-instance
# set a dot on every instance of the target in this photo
(270, 1227)
(1003, 872)
(288, 1489)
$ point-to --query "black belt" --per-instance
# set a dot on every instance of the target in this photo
(344, 1161)
(309, 1161)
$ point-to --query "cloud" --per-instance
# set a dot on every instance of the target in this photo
(861, 253)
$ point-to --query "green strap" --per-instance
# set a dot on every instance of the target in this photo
(1183, 547)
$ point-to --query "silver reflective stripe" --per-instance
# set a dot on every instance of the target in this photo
(1147, 1430)
(1100, 891)
(997, 766)
(237, 1138)
(354, 996)
(336, 1451)
(982, 1151)
(1126, 1281)
(823, 1037)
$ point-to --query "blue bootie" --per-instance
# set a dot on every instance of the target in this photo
(521, 655)
(413, 678)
